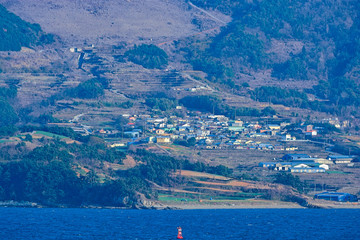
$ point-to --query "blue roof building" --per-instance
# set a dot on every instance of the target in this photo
(267, 164)
(336, 196)
(341, 158)
(290, 157)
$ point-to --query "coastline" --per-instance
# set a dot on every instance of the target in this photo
(254, 204)
(235, 204)
(12, 203)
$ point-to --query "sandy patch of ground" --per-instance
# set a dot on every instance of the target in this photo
(129, 162)
(187, 173)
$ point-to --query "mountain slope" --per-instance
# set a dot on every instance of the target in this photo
(308, 45)
(16, 33)
(107, 21)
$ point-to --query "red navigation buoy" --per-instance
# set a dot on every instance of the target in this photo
(179, 236)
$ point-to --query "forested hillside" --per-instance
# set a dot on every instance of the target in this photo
(51, 174)
(302, 41)
(16, 33)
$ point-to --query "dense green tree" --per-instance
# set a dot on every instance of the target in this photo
(268, 111)
(8, 92)
(164, 104)
(8, 115)
(50, 153)
(46, 176)
(212, 66)
(28, 138)
(277, 95)
(148, 56)
(16, 33)
(187, 143)
(7, 130)
(214, 105)
(233, 41)
(294, 68)
(291, 180)
(201, 167)
(88, 89)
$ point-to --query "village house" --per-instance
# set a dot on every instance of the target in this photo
(265, 146)
(292, 157)
(310, 131)
(323, 161)
(132, 134)
(341, 159)
(288, 137)
(273, 127)
(298, 163)
(160, 131)
(333, 121)
(292, 148)
(282, 166)
(278, 147)
(163, 139)
(269, 165)
(307, 170)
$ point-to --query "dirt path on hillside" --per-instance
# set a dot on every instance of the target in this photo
(207, 13)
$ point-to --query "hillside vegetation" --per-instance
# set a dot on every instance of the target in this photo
(148, 56)
(293, 40)
(59, 174)
(16, 33)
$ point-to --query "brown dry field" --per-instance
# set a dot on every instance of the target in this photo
(187, 173)
(233, 183)
(247, 158)
(244, 161)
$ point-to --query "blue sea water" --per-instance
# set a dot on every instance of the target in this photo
(101, 224)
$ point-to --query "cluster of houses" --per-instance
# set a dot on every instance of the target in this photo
(219, 132)
(210, 132)
(213, 132)
(303, 163)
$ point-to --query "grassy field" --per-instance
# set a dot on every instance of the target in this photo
(170, 198)
(188, 197)
(6, 140)
(48, 134)
(336, 172)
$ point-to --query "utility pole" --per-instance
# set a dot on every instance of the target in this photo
(144, 134)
